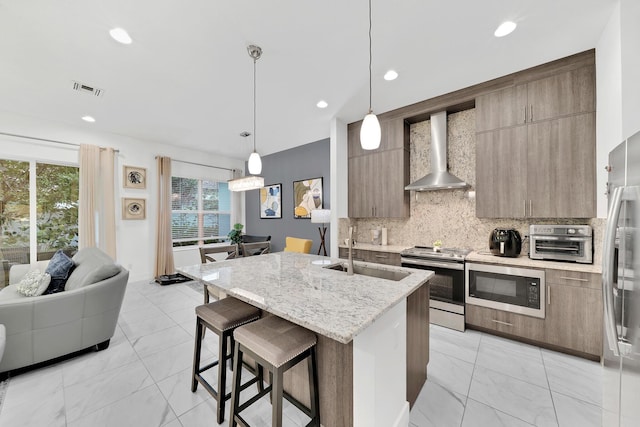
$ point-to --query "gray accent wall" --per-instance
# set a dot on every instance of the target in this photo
(303, 162)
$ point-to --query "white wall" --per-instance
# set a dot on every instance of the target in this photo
(630, 43)
(135, 239)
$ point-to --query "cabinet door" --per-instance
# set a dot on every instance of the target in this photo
(574, 318)
(501, 108)
(359, 194)
(391, 199)
(562, 94)
(516, 325)
(561, 168)
(501, 173)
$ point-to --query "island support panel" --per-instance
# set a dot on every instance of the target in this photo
(417, 341)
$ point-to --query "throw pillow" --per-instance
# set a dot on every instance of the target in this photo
(33, 283)
(59, 268)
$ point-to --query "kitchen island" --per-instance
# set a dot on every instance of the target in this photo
(372, 333)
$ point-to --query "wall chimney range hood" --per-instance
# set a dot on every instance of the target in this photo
(439, 178)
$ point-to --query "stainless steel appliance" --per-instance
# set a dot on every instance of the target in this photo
(561, 243)
(505, 242)
(520, 290)
(446, 304)
(621, 287)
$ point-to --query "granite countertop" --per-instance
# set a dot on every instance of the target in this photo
(325, 301)
(525, 261)
(378, 248)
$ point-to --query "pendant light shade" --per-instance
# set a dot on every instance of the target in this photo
(255, 164)
(370, 132)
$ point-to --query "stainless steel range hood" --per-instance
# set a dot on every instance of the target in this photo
(439, 178)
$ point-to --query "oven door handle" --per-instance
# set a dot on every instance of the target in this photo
(436, 264)
(562, 239)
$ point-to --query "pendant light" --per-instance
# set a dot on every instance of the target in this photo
(255, 163)
(370, 130)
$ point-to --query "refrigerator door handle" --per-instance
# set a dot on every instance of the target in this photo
(608, 267)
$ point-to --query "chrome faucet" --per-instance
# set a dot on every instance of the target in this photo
(350, 264)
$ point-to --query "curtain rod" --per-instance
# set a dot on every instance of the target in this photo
(200, 164)
(47, 140)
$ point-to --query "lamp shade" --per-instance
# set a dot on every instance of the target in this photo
(255, 164)
(321, 216)
(246, 183)
(370, 132)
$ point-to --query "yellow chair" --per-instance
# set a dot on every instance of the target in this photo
(294, 244)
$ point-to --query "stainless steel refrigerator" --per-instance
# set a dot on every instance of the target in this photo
(621, 288)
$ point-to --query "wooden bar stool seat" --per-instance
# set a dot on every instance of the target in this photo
(222, 317)
(276, 345)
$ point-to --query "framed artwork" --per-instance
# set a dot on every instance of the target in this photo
(307, 196)
(271, 201)
(134, 208)
(135, 177)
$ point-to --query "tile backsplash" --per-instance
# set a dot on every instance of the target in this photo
(449, 215)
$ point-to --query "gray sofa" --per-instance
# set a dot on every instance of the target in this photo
(85, 314)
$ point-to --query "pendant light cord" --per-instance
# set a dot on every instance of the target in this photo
(370, 78)
(254, 104)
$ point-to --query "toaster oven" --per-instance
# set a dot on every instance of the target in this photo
(572, 243)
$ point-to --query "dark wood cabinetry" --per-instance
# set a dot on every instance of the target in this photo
(377, 178)
(535, 154)
(378, 257)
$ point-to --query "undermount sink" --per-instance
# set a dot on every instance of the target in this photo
(371, 272)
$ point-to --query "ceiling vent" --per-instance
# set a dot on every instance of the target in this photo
(81, 87)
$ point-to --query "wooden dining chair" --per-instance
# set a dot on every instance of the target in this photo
(205, 256)
(256, 248)
(295, 244)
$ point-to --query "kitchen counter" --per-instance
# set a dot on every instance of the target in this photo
(525, 261)
(326, 301)
(373, 334)
(396, 249)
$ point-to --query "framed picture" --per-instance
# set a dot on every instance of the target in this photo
(271, 201)
(134, 208)
(307, 196)
(135, 177)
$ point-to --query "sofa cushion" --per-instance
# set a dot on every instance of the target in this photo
(10, 292)
(59, 268)
(33, 284)
(92, 266)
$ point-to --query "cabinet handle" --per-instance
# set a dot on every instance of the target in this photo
(525, 208)
(525, 114)
(381, 256)
(531, 115)
(502, 323)
(577, 279)
(548, 295)
(530, 209)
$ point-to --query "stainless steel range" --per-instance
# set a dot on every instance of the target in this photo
(446, 306)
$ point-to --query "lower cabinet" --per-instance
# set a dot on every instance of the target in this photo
(573, 319)
(378, 257)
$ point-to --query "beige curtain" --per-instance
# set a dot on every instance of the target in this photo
(96, 213)
(164, 246)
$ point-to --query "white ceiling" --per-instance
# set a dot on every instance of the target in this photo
(187, 79)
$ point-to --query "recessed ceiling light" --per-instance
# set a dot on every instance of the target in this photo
(120, 35)
(88, 119)
(390, 75)
(505, 28)
(322, 104)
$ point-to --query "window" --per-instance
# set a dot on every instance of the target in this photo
(54, 208)
(200, 211)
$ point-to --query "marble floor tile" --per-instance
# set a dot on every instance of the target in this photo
(520, 399)
(172, 360)
(576, 413)
(437, 407)
(177, 391)
(461, 345)
(138, 328)
(143, 313)
(36, 411)
(184, 315)
(34, 385)
(152, 343)
(203, 415)
(449, 372)
(519, 361)
(144, 408)
(178, 302)
(104, 389)
(174, 423)
(477, 414)
(574, 376)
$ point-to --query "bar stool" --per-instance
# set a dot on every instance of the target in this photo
(222, 317)
(276, 345)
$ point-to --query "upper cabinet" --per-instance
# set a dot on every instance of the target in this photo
(377, 178)
(535, 155)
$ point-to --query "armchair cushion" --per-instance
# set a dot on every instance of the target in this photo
(59, 269)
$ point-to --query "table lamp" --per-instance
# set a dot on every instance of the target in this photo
(322, 216)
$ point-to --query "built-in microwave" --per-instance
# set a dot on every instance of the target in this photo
(519, 290)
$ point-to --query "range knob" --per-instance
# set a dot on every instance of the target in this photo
(571, 231)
